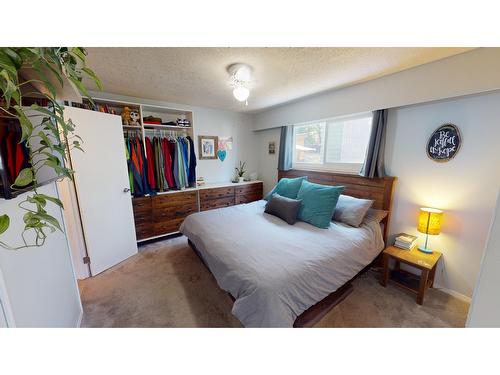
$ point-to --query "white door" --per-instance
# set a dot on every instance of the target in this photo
(101, 180)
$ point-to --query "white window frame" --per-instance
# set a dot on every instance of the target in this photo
(348, 168)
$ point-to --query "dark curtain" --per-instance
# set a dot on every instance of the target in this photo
(286, 148)
(374, 160)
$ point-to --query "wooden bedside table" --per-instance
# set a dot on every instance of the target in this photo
(425, 262)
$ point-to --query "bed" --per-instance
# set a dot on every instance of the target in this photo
(282, 275)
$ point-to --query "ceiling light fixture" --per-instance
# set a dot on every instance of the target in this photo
(241, 93)
(241, 77)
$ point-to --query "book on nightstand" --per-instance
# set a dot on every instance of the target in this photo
(406, 241)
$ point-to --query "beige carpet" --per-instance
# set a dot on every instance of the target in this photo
(166, 285)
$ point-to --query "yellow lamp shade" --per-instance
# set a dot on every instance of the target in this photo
(429, 221)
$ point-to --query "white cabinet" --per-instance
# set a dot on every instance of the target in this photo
(37, 285)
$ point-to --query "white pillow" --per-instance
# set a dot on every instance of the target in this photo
(375, 215)
(350, 210)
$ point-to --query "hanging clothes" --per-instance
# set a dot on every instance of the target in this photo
(185, 159)
(129, 168)
(11, 156)
(136, 169)
(140, 148)
(150, 164)
(167, 163)
(160, 169)
(181, 169)
(16, 154)
(139, 168)
(192, 163)
(175, 163)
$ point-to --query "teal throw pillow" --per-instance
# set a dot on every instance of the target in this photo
(318, 203)
(287, 187)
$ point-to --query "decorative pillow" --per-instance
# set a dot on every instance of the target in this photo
(351, 211)
(318, 203)
(287, 187)
(377, 215)
(283, 207)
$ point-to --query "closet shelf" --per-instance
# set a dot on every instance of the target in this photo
(153, 126)
(131, 127)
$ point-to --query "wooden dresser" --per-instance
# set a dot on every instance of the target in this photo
(228, 195)
(163, 214)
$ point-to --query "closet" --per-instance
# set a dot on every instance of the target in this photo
(161, 160)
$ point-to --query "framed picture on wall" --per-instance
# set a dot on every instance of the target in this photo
(207, 146)
(272, 147)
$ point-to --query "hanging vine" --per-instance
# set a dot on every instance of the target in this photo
(47, 141)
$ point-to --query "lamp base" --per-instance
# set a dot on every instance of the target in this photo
(425, 250)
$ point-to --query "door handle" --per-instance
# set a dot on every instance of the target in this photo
(126, 190)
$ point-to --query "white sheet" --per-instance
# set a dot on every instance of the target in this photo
(275, 271)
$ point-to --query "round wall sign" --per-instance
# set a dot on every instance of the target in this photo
(444, 143)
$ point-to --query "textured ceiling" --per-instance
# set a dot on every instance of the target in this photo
(197, 76)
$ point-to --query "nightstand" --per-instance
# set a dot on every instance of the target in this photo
(425, 262)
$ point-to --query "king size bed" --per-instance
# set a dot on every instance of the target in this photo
(282, 275)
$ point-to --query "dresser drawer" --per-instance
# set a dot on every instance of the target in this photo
(176, 212)
(216, 203)
(143, 231)
(175, 199)
(216, 193)
(249, 189)
(141, 205)
(143, 217)
(168, 226)
(247, 198)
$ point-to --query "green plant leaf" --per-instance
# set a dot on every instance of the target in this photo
(26, 125)
(79, 52)
(51, 199)
(24, 178)
(94, 77)
(45, 139)
(4, 223)
(48, 219)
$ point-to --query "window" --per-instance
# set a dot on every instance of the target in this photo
(336, 144)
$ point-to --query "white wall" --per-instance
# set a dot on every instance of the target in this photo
(485, 308)
(268, 164)
(208, 121)
(39, 282)
(467, 73)
(228, 124)
(465, 188)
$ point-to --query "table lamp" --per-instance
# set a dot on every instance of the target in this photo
(429, 222)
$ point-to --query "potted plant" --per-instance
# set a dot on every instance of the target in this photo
(240, 171)
(51, 68)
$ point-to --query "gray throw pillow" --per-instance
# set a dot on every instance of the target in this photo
(351, 211)
(283, 207)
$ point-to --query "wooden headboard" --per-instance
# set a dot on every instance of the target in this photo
(378, 189)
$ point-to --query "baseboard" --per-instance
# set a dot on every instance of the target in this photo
(460, 296)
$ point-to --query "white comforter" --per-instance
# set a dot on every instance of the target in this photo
(275, 271)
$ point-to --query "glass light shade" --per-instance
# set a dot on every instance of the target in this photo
(429, 221)
(241, 93)
(243, 73)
